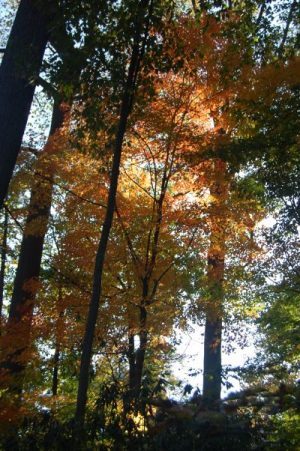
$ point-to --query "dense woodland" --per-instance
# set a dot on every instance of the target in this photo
(149, 184)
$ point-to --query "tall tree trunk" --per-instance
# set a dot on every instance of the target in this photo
(140, 353)
(19, 69)
(56, 359)
(57, 353)
(131, 373)
(17, 337)
(137, 357)
(131, 360)
(58, 337)
(126, 106)
(212, 371)
(3, 262)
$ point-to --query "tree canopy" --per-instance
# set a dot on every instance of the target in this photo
(155, 190)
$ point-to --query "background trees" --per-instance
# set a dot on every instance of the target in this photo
(19, 71)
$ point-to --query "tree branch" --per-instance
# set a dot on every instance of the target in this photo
(286, 30)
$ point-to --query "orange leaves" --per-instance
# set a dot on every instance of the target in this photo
(31, 286)
(175, 203)
(191, 41)
(264, 82)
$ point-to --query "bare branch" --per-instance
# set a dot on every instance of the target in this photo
(135, 257)
(13, 217)
(48, 87)
(260, 15)
(84, 199)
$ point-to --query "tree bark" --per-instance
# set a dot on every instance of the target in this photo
(17, 336)
(19, 68)
(56, 359)
(57, 354)
(126, 106)
(212, 372)
(140, 354)
(131, 360)
(58, 337)
(137, 357)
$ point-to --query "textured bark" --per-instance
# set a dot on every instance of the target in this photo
(212, 372)
(19, 69)
(17, 337)
(126, 106)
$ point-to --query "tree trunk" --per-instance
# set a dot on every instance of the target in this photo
(131, 361)
(19, 68)
(126, 106)
(140, 353)
(136, 373)
(55, 369)
(212, 372)
(131, 374)
(3, 262)
(17, 337)
(58, 338)
(136, 359)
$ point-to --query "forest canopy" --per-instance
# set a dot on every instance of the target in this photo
(149, 190)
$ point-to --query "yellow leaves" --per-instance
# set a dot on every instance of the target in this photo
(139, 421)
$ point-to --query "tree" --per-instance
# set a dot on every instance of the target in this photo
(157, 141)
(18, 73)
(17, 337)
(212, 370)
(138, 48)
(277, 273)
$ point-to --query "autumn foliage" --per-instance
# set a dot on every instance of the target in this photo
(165, 199)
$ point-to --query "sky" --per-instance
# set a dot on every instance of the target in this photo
(191, 351)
